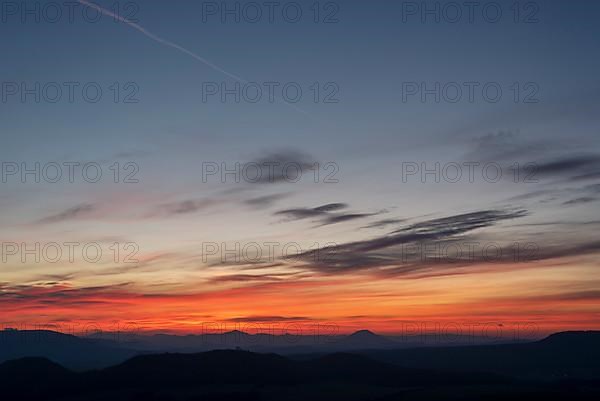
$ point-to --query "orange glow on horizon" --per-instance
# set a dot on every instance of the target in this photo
(343, 305)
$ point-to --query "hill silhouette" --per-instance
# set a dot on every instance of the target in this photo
(265, 342)
(560, 356)
(573, 338)
(67, 350)
(562, 366)
(365, 339)
(86, 353)
(196, 373)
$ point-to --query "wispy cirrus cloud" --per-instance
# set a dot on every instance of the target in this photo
(384, 223)
(187, 206)
(325, 215)
(461, 223)
(389, 250)
(73, 213)
(551, 170)
(265, 201)
(547, 160)
(581, 167)
(191, 206)
(287, 165)
(580, 201)
(306, 213)
(341, 218)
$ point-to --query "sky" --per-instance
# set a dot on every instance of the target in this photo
(357, 165)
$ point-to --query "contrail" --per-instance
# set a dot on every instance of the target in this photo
(160, 40)
(166, 42)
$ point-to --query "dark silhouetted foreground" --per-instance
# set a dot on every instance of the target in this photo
(563, 366)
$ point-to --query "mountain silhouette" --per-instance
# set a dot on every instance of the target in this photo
(167, 373)
(362, 340)
(578, 339)
(559, 356)
(68, 350)
(20, 371)
(561, 366)
(36, 377)
(265, 342)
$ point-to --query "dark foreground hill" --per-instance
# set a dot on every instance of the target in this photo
(459, 373)
(227, 374)
(568, 355)
(108, 349)
(239, 375)
(67, 350)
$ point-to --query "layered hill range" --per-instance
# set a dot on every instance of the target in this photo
(106, 349)
(560, 367)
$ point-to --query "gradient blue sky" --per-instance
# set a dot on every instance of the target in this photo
(368, 134)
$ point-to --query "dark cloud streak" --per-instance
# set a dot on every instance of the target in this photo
(69, 214)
